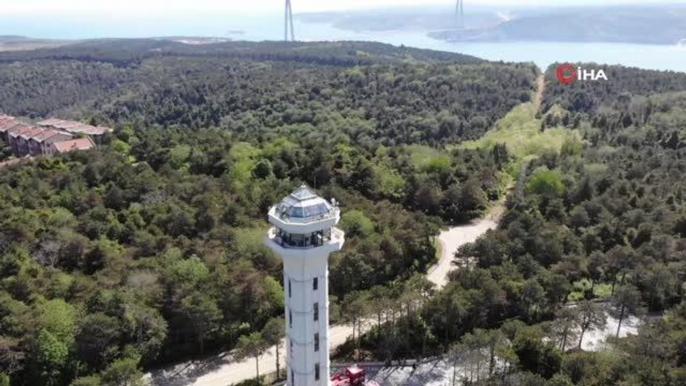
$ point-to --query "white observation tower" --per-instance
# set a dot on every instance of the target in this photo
(304, 235)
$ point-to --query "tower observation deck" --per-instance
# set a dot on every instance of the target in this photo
(303, 235)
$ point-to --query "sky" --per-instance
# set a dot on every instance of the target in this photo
(177, 7)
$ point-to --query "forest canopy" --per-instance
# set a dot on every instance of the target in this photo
(149, 249)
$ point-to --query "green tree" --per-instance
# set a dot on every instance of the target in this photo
(564, 326)
(273, 333)
(97, 342)
(92, 380)
(146, 329)
(59, 319)
(560, 380)
(619, 261)
(263, 169)
(591, 316)
(625, 301)
(354, 309)
(355, 223)
(50, 345)
(534, 354)
(473, 348)
(203, 314)
(252, 346)
(473, 197)
(546, 183)
(49, 355)
(120, 147)
(123, 372)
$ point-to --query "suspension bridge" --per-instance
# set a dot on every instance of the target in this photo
(289, 28)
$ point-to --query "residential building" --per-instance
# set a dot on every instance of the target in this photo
(24, 138)
(13, 136)
(70, 145)
(52, 136)
(73, 127)
(39, 144)
(6, 123)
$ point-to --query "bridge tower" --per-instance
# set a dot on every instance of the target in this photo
(459, 12)
(289, 30)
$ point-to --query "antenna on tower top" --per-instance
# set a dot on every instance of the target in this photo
(288, 25)
(459, 11)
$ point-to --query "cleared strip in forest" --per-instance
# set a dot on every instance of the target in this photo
(523, 134)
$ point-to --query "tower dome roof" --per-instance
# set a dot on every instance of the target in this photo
(303, 203)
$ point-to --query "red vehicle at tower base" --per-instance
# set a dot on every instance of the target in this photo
(352, 376)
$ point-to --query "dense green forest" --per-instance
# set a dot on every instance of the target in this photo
(149, 249)
(601, 226)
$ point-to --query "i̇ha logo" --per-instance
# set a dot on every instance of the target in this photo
(568, 73)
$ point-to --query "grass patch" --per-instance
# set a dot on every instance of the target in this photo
(422, 156)
(521, 132)
(601, 290)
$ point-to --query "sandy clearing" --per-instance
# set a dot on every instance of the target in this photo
(451, 240)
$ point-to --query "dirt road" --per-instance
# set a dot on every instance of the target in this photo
(451, 240)
(223, 370)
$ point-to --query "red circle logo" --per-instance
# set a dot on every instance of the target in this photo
(566, 73)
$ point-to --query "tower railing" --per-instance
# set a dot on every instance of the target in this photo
(306, 242)
(304, 220)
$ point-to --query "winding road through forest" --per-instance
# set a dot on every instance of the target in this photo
(223, 369)
(453, 238)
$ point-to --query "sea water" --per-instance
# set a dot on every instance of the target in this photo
(270, 27)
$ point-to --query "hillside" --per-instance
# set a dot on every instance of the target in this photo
(165, 83)
(22, 43)
(147, 250)
(130, 51)
(639, 25)
(594, 229)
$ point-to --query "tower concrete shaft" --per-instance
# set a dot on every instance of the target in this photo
(303, 235)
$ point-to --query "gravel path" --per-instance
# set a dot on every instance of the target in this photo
(451, 240)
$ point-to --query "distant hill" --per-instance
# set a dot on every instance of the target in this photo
(613, 24)
(5, 38)
(23, 43)
(132, 51)
(404, 19)
(645, 25)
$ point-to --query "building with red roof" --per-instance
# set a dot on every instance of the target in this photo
(74, 127)
(6, 123)
(13, 135)
(51, 136)
(24, 138)
(39, 144)
(70, 145)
